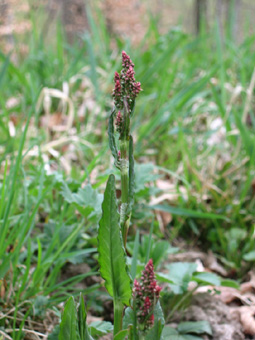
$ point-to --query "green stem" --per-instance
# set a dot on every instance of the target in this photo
(124, 171)
(118, 315)
(124, 220)
(124, 159)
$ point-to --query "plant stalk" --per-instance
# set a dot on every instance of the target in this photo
(124, 155)
(118, 316)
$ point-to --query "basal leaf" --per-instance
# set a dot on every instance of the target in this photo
(68, 322)
(113, 267)
(207, 278)
(100, 328)
(196, 327)
(87, 200)
(179, 275)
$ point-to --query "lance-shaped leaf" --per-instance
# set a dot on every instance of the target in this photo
(82, 317)
(113, 267)
(112, 142)
(68, 324)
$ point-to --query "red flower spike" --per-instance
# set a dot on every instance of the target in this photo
(146, 295)
(125, 84)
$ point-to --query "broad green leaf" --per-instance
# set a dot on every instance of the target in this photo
(197, 327)
(230, 283)
(121, 335)
(87, 200)
(144, 173)
(162, 277)
(69, 321)
(170, 333)
(167, 331)
(180, 274)
(98, 328)
(190, 337)
(207, 278)
(249, 256)
(112, 142)
(113, 267)
(131, 173)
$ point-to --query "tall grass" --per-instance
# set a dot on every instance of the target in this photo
(194, 120)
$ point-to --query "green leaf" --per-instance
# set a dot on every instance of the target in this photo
(69, 321)
(98, 328)
(179, 275)
(135, 256)
(170, 333)
(189, 337)
(128, 317)
(186, 212)
(158, 252)
(4, 69)
(131, 173)
(121, 335)
(112, 261)
(167, 331)
(159, 322)
(144, 173)
(112, 142)
(230, 283)
(87, 200)
(196, 327)
(82, 316)
(40, 305)
(249, 256)
(207, 278)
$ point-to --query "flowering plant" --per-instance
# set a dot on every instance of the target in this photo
(145, 297)
(134, 310)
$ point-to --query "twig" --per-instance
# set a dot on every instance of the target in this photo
(5, 335)
(27, 331)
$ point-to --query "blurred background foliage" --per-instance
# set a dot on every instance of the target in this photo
(193, 130)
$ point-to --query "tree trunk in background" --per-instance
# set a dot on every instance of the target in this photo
(7, 21)
(3, 11)
(238, 19)
(200, 13)
(224, 10)
(74, 17)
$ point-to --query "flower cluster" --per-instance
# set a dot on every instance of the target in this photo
(119, 121)
(146, 294)
(125, 85)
